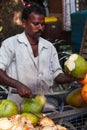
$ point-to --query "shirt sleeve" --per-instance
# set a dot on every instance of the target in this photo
(57, 69)
(5, 55)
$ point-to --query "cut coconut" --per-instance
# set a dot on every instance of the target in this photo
(46, 121)
(73, 57)
(70, 65)
(5, 124)
(76, 66)
(49, 128)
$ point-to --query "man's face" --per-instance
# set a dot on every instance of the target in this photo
(34, 25)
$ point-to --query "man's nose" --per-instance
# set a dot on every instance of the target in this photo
(40, 26)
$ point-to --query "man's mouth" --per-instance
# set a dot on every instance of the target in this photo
(39, 32)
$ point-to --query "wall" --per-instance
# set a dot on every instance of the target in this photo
(55, 8)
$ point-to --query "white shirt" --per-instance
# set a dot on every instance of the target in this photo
(16, 57)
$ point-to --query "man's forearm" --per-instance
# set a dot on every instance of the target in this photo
(62, 78)
(6, 80)
(22, 89)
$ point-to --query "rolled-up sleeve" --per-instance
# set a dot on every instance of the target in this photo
(57, 69)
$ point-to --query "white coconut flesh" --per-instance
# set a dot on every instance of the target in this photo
(73, 57)
(70, 63)
(49, 128)
(5, 124)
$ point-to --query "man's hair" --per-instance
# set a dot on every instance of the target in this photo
(32, 8)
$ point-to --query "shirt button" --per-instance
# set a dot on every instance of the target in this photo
(40, 74)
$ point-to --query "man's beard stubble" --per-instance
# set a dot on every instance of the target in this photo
(37, 34)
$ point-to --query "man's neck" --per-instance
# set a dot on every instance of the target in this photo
(31, 40)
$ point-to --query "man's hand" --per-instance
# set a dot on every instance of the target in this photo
(23, 90)
(65, 78)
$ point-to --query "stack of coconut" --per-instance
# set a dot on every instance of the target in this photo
(29, 118)
(76, 66)
(17, 122)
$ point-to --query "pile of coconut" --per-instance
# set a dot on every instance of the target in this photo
(28, 118)
(18, 122)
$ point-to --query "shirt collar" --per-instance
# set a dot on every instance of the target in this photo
(23, 40)
(42, 43)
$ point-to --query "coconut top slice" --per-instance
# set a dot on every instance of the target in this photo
(73, 57)
(70, 65)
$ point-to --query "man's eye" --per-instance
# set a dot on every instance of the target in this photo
(42, 24)
(36, 24)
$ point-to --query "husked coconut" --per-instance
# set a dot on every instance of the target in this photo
(59, 127)
(55, 127)
(5, 124)
(49, 128)
(21, 123)
(46, 121)
(15, 122)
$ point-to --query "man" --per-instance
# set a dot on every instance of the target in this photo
(29, 63)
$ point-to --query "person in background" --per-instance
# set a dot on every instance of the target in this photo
(28, 62)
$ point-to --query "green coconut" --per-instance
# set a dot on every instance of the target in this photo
(34, 119)
(40, 99)
(8, 108)
(75, 99)
(76, 66)
(39, 115)
(33, 105)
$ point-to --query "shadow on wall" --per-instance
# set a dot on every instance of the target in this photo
(9, 31)
(10, 13)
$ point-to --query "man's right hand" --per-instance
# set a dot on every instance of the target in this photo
(23, 90)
